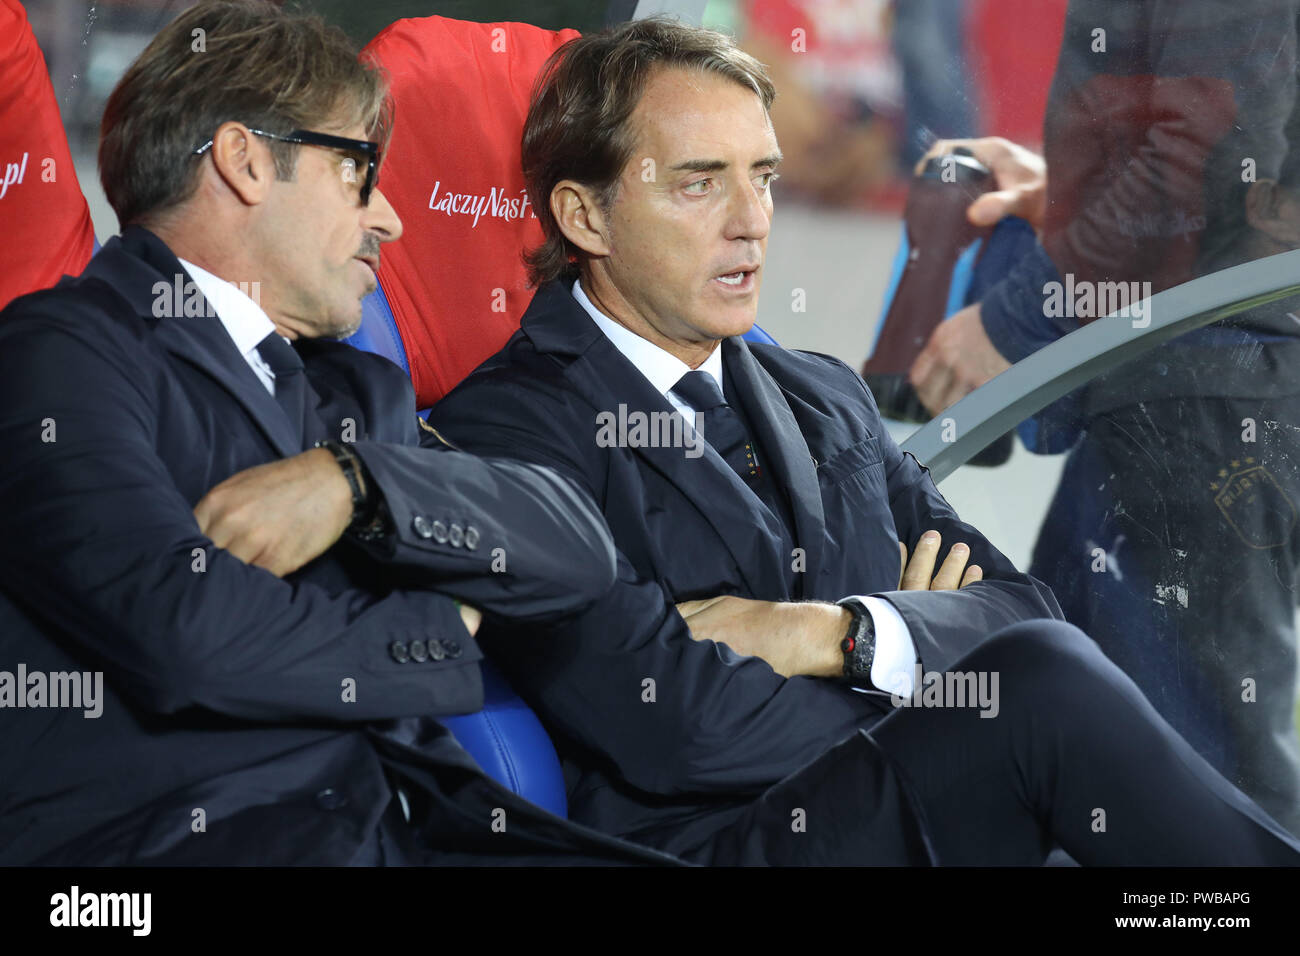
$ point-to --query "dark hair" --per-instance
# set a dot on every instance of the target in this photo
(247, 61)
(577, 126)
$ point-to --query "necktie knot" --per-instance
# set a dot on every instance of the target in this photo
(701, 390)
(279, 356)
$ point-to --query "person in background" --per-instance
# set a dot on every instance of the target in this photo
(1170, 154)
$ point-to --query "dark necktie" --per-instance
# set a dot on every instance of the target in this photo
(290, 381)
(719, 424)
(724, 428)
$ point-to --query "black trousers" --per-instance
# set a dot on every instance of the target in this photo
(1076, 756)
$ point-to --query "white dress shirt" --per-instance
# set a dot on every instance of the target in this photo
(242, 318)
(662, 369)
(893, 666)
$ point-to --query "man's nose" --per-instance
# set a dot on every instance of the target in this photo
(751, 216)
(381, 218)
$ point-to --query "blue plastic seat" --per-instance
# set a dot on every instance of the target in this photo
(510, 744)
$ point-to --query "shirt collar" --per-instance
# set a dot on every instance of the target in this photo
(242, 317)
(661, 368)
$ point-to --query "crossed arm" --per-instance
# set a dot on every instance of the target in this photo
(725, 714)
(185, 603)
(281, 515)
(804, 639)
(284, 514)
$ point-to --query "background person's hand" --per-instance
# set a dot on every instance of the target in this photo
(957, 359)
(280, 515)
(918, 574)
(1020, 174)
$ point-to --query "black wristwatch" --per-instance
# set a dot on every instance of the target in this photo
(859, 645)
(367, 521)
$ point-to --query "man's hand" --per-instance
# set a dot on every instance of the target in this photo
(281, 515)
(472, 617)
(795, 639)
(958, 359)
(804, 639)
(916, 574)
(1020, 174)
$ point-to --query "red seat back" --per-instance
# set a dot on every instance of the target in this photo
(456, 281)
(44, 220)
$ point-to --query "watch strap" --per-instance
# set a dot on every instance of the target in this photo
(858, 645)
(366, 521)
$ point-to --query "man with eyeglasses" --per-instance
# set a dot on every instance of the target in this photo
(216, 521)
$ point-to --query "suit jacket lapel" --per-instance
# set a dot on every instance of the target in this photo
(783, 444)
(604, 377)
(203, 342)
(135, 264)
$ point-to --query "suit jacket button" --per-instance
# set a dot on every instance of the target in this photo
(439, 532)
(452, 648)
(399, 652)
(419, 652)
(456, 536)
(423, 526)
(331, 799)
(436, 650)
(471, 537)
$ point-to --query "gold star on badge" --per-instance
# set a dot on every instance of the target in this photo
(1236, 464)
(1223, 473)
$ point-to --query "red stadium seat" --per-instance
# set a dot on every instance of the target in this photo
(43, 216)
(456, 282)
(454, 288)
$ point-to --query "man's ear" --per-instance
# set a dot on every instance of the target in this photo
(244, 164)
(1274, 211)
(579, 217)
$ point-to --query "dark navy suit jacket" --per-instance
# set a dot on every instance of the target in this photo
(721, 727)
(225, 685)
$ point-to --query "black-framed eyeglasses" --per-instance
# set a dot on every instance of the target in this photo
(305, 137)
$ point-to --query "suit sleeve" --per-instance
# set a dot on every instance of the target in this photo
(507, 537)
(946, 625)
(99, 544)
(676, 715)
(511, 538)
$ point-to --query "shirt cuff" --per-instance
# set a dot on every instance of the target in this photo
(893, 668)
